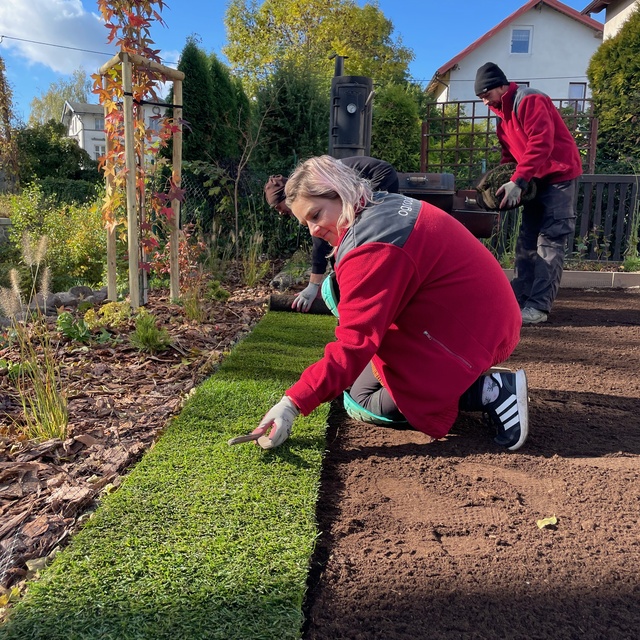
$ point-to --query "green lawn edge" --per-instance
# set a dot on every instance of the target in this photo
(202, 540)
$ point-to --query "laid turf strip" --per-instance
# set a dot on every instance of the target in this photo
(202, 540)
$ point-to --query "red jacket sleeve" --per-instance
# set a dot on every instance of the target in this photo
(373, 281)
(538, 124)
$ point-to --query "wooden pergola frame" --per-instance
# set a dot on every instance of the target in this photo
(128, 60)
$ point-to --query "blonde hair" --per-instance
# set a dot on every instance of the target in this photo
(326, 177)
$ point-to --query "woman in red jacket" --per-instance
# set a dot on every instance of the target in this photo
(425, 310)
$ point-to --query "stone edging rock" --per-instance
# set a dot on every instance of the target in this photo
(54, 301)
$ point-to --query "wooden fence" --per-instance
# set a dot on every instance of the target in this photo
(608, 209)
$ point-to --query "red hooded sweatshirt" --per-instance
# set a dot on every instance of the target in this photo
(423, 299)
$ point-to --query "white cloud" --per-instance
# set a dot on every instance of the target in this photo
(66, 23)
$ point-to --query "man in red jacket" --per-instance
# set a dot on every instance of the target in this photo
(533, 135)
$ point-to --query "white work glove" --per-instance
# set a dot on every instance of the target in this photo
(280, 417)
(512, 193)
(305, 298)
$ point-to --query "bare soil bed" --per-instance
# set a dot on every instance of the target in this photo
(441, 539)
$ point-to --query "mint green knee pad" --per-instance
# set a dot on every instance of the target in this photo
(357, 412)
(330, 294)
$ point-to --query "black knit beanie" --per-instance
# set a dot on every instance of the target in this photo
(489, 76)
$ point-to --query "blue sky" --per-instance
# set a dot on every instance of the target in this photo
(435, 30)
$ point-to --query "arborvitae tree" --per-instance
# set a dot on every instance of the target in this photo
(224, 115)
(198, 103)
(614, 76)
(297, 126)
(8, 158)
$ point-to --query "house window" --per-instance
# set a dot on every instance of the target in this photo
(577, 90)
(577, 95)
(99, 150)
(521, 40)
(522, 83)
(99, 124)
(154, 124)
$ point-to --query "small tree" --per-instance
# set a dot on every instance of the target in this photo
(614, 76)
(124, 84)
(51, 102)
(396, 127)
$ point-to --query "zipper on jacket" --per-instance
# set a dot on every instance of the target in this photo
(466, 363)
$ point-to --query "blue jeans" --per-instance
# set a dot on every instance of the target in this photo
(547, 222)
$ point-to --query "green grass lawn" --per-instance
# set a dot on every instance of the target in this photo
(202, 540)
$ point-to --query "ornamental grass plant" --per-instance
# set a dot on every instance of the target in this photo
(36, 376)
(202, 540)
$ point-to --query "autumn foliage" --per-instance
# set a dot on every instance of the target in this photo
(128, 23)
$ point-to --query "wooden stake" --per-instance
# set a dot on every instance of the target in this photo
(112, 293)
(130, 164)
(174, 267)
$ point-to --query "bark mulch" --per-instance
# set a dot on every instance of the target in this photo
(120, 399)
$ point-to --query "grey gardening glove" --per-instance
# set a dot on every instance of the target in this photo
(280, 417)
(512, 193)
(305, 298)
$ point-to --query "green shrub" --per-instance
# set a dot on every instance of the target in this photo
(77, 238)
(111, 314)
(65, 190)
(614, 77)
(72, 328)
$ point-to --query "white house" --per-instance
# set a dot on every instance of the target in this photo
(544, 44)
(617, 12)
(85, 123)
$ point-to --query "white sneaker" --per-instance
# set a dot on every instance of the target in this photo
(533, 316)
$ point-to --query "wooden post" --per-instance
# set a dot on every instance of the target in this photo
(174, 276)
(142, 217)
(137, 280)
(112, 292)
(130, 164)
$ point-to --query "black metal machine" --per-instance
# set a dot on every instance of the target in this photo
(439, 190)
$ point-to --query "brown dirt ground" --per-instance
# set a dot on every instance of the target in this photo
(440, 539)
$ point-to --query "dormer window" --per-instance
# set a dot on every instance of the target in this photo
(521, 39)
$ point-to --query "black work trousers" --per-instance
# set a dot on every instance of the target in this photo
(547, 222)
(369, 393)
